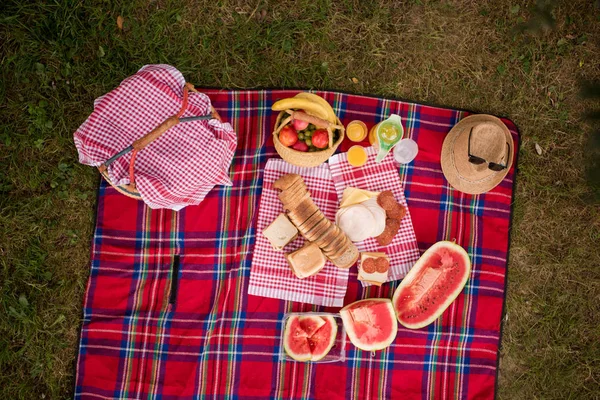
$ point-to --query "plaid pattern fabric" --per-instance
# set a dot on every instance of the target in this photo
(214, 340)
(270, 274)
(177, 169)
(403, 252)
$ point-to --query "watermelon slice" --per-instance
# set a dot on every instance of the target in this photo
(323, 339)
(311, 323)
(295, 340)
(309, 337)
(432, 284)
(371, 324)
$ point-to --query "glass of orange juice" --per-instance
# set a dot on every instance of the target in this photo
(357, 156)
(356, 131)
(373, 135)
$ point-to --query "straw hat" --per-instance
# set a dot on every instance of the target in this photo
(490, 140)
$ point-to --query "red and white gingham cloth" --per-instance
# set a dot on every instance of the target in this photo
(403, 252)
(177, 169)
(270, 274)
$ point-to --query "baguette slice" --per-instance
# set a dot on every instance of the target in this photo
(306, 261)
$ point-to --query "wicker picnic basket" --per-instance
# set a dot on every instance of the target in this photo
(301, 158)
(130, 189)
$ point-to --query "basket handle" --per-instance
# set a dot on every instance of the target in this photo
(157, 132)
(142, 142)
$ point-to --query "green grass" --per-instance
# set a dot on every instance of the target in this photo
(58, 56)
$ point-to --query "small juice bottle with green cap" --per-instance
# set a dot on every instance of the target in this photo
(389, 132)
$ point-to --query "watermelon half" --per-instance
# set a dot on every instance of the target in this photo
(371, 324)
(432, 284)
(309, 337)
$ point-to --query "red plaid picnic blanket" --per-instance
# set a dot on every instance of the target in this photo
(167, 312)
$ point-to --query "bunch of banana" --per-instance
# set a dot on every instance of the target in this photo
(311, 104)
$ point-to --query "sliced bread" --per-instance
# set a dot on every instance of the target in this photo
(290, 196)
(301, 212)
(311, 221)
(280, 232)
(340, 247)
(317, 230)
(328, 236)
(336, 242)
(294, 200)
(306, 261)
(348, 258)
(287, 180)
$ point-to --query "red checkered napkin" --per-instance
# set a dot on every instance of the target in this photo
(177, 169)
(403, 252)
(270, 274)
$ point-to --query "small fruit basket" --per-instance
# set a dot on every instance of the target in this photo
(328, 339)
(307, 132)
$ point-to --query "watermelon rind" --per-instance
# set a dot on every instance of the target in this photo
(415, 270)
(294, 338)
(349, 325)
(329, 321)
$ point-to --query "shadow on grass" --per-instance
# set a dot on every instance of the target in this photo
(591, 90)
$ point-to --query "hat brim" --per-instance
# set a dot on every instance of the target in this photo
(460, 181)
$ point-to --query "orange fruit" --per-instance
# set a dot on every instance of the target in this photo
(357, 156)
(356, 131)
